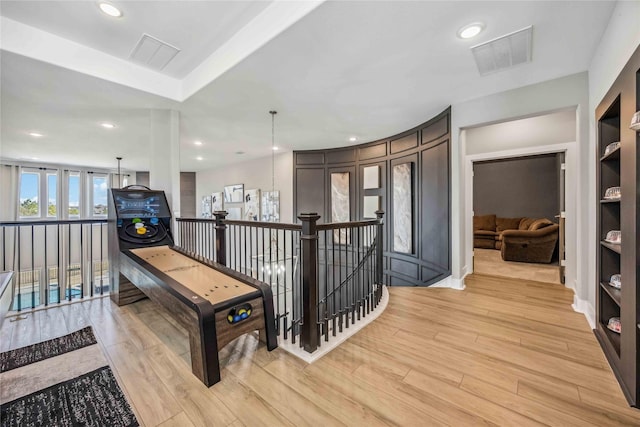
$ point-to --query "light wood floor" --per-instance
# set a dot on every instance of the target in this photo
(489, 261)
(502, 352)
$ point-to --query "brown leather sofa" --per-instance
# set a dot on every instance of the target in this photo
(518, 239)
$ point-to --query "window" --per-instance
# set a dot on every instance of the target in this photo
(99, 195)
(74, 195)
(52, 195)
(29, 194)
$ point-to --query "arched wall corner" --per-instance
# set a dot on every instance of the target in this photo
(408, 176)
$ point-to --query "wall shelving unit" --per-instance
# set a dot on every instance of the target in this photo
(619, 168)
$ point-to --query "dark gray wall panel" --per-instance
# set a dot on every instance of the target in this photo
(407, 268)
(372, 151)
(405, 143)
(309, 158)
(525, 186)
(435, 130)
(341, 156)
(188, 194)
(310, 192)
(434, 177)
(142, 178)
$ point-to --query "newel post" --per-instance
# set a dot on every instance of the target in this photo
(379, 250)
(221, 237)
(309, 241)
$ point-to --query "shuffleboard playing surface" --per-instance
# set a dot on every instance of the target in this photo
(203, 280)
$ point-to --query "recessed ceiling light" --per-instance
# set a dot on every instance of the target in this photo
(471, 30)
(107, 125)
(274, 148)
(353, 139)
(35, 134)
(110, 10)
(198, 142)
(33, 158)
(198, 158)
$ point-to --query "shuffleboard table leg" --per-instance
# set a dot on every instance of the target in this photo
(204, 353)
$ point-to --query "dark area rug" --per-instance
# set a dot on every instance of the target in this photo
(92, 399)
(34, 353)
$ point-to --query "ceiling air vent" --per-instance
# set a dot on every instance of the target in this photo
(153, 53)
(504, 52)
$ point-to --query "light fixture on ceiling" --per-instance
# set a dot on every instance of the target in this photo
(109, 9)
(198, 142)
(353, 139)
(471, 30)
(274, 148)
(36, 134)
(199, 158)
(107, 125)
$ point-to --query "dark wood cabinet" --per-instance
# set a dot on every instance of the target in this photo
(619, 167)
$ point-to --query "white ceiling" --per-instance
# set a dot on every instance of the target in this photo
(369, 69)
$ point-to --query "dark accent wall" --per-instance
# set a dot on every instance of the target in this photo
(520, 187)
(187, 191)
(188, 194)
(427, 147)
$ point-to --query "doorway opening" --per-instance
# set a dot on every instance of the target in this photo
(518, 217)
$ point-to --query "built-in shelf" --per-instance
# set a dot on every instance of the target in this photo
(614, 293)
(614, 337)
(615, 248)
(614, 116)
(614, 155)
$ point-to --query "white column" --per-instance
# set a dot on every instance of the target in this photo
(164, 156)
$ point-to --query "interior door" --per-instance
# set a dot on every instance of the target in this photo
(561, 216)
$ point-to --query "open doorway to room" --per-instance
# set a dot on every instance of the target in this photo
(518, 217)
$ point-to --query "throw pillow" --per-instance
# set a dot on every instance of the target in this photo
(525, 223)
(540, 223)
(484, 222)
(507, 224)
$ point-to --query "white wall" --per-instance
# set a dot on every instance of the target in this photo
(254, 174)
(554, 128)
(565, 93)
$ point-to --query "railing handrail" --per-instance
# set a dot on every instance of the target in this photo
(53, 221)
(353, 272)
(351, 224)
(194, 219)
(285, 226)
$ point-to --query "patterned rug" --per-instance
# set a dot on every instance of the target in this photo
(61, 382)
(13, 359)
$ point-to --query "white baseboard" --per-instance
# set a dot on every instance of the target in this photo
(450, 282)
(340, 337)
(585, 307)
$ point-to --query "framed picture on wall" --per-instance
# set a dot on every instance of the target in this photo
(252, 205)
(403, 208)
(271, 206)
(369, 206)
(234, 213)
(234, 193)
(371, 177)
(217, 201)
(206, 207)
(340, 205)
